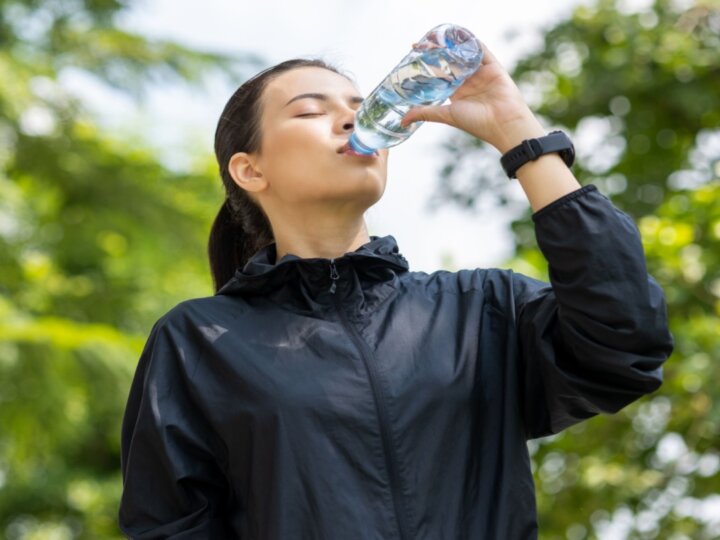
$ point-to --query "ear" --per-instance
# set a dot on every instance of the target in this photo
(245, 172)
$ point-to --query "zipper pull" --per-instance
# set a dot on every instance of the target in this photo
(334, 276)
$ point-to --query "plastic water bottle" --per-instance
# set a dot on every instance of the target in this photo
(439, 63)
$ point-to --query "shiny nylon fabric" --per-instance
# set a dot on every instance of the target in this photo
(398, 407)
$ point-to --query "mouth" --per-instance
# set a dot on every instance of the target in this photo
(346, 149)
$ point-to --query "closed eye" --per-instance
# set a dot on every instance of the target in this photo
(308, 114)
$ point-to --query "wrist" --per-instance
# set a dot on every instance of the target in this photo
(514, 132)
(534, 148)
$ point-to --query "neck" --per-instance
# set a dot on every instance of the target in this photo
(327, 238)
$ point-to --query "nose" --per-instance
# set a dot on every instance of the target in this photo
(346, 120)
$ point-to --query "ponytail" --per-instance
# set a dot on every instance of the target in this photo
(222, 249)
(240, 229)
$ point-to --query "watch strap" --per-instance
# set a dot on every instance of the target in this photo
(531, 149)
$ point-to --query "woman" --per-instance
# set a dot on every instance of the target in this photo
(327, 391)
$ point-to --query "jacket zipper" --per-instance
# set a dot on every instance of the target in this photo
(389, 453)
(334, 276)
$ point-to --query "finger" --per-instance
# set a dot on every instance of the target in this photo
(488, 56)
(433, 113)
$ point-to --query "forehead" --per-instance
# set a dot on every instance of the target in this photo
(303, 80)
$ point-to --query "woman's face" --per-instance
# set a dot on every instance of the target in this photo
(301, 135)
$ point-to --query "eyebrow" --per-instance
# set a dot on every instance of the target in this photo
(321, 97)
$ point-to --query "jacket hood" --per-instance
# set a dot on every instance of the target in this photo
(375, 261)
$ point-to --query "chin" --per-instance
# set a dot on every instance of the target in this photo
(364, 195)
(370, 197)
(376, 177)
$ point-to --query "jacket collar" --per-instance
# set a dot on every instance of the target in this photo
(375, 261)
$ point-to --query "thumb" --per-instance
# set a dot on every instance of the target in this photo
(427, 113)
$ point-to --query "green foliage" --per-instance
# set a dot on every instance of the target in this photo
(97, 237)
(642, 86)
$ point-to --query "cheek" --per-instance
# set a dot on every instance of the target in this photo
(296, 160)
(301, 143)
(306, 139)
(300, 133)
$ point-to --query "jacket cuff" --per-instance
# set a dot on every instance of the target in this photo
(562, 201)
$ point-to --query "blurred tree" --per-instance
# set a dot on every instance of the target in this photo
(96, 238)
(638, 91)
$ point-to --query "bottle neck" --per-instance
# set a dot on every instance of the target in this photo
(359, 147)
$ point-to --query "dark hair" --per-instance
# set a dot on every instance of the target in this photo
(241, 227)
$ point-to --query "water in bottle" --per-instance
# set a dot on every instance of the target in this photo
(432, 71)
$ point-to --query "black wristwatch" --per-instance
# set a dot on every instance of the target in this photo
(531, 149)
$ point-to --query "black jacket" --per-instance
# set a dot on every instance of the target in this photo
(354, 399)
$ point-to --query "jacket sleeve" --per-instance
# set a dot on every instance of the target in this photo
(595, 338)
(173, 486)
